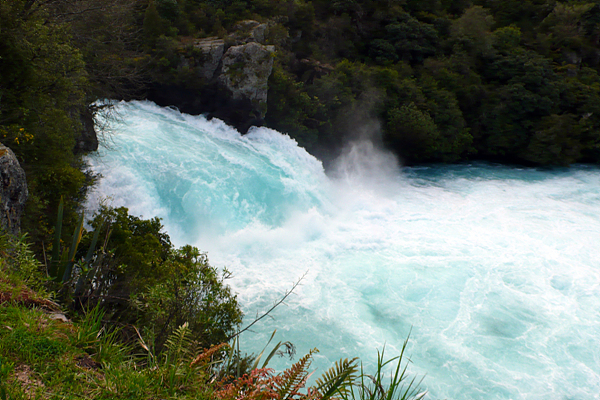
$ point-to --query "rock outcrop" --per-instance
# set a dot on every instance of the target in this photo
(249, 31)
(210, 53)
(88, 138)
(13, 191)
(245, 73)
(224, 78)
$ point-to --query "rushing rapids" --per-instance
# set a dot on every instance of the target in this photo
(494, 271)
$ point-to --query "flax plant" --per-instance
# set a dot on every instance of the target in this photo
(376, 387)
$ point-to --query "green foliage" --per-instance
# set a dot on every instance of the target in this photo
(80, 359)
(411, 128)
(5, 369)
(483, 78)
(193, 292)
(264, 384)
(507, 39)
(61, 266)
(557, 140)
(373, 386)
(154, 24)
(341, 381)
(383, 52)
(413, 40)
(472, 31)
(22, 341)
(18, 263)
(138, 278)
(338, 379)
(43, 82)
(292, 110)
(84, 358)
(30, 346)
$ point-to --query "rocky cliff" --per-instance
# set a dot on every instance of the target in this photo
(13, 191)
(228, 80)
(245, 73)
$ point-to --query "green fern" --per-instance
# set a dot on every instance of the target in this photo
(337, 379)
(179, 345)
(295, 377)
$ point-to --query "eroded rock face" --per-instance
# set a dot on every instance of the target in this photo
(13, 190)
(211, 51)
(88, 139)
(245, 73)
(249, 31)
(229, 80)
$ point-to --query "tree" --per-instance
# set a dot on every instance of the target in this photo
(139, 279)
(412, 133)
(472, 31)
(192, 292)
(43, 84)
(154, 24)
(414, 40)
(556, 141)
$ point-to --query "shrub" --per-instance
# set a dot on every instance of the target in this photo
(139, 279)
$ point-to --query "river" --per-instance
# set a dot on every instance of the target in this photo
(494, 271)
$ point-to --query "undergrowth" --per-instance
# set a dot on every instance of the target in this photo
(45, 355)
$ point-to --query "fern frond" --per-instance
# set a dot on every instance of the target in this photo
(178, 344)
(206, 355)
(294, 378)
(337, 378)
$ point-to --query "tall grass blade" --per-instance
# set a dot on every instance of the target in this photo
(68, 267)
(375, 387)
(255, 365)
(92, 248)
(54, 260)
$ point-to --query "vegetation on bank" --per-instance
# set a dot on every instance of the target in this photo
(172, 337)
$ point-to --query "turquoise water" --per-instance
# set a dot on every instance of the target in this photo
(496, 270)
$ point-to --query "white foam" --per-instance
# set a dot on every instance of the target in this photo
(494, 269)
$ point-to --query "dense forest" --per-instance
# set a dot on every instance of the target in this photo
(433, 81)
(506, 81)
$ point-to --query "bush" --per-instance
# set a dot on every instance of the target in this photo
(139, 279)
(193, 292)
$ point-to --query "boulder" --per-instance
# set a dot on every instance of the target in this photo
(245, 73)
(13, 191)
(259, 33)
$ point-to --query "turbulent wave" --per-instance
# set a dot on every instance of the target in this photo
(494, 271)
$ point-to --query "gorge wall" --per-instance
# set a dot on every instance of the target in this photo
(13, 191)
(226, 78)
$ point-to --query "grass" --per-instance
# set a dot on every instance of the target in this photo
(45, 356)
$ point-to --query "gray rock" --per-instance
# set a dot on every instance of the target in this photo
(88, 138)
(259, 33)
(245, 73)
(249, 31)
(246, 25)
(211, 51)
(13, 190)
